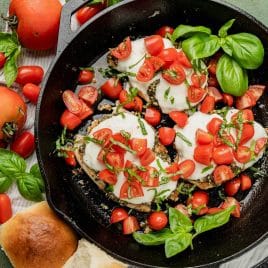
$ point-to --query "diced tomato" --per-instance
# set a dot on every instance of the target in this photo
(123, 50)
(152, 116)
(218, 141)
(124, 190)
(154, 44)
(256, 91)
(214, 92)
(101, 155)
(168, 55)
(157, 220)
(231, 187)
(214, 210)
(112, 88)
(214, 125)
(195, 94)
(242, 154)
(246, 182)
(108, 177)
(166, 135)
(104, 135)
(118, 214)
(118, 137)
(231, 201)
(260, 145)
(72, 102)
(222, 174)
(150, 177)
(199, 201)
(223, 155)
(245, 101)
(183, 209)
(116, 160)
(172, 169)
(180, 118)
(69, 120)
(85, 76)
(85, 111)
(138, 104)
(127, 104)
(146, 71)
(212, 81)
(247, 133)
(198, 80)
(186, 168)
(212, 66)
(203, 154)
(164, 30)
(136, 189)
(208, 105)
(175, 74)
(202, 137)
(70, 158)
(183, 60)
(228, 99)
(246, 116)
(138, 145)
(147, 158)
(157, 63)
(88, 94)
(130, 225)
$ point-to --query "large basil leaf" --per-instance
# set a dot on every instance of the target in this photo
(29, 187)
(9, 43)
(224, 28)
(178, 243)
(11, 164)
(5, 182)
(201, 46)
(183, 30)
(232, 78)
(178, 221)
(247, 49)
(35, 171)
(209, 222)
(153, 238)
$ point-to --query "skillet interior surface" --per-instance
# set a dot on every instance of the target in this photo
(76, 198)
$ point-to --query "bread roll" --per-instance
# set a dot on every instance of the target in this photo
(37, 238)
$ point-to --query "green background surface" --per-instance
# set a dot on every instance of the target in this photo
(257, 8)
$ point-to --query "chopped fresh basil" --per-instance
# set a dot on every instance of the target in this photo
(91, 139)
(181, 136)
(207, 168)
(166, 93)
(142, 126)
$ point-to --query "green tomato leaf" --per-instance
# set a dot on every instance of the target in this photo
(188, 30)
(153, 238)
(178, 221)
(209, 222)
(247, 49)
(29, 188)
(224, 28)
(11, 164)
(5, 182)
(10, 68)
(232, 78)
(201, 46)
(178, 243)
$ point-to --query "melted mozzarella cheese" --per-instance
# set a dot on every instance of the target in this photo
(200, 120)
(176, 99)
(128, 123)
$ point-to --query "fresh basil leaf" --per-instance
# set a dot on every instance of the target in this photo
(224, 28)
(178, 243)
(153, 238)
(201, 46)
(209, 222)
(232, 78)
(178, 221)
(10, 68)
(247, 49)
(183, 30)
(35, 171)
(112, 2)
(9, 43)
(28, 187)
(5, 182)
(11, 164)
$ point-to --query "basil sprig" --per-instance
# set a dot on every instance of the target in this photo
(182, 231)
(242, 51)
(10, 46)
(13, 168)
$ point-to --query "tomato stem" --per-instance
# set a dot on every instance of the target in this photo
(11, 20)
(9, 129)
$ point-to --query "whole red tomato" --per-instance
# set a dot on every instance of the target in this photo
(38, 22)
(13, 113)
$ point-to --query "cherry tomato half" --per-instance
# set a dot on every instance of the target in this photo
(154, 44)
(166, 135)
(214, 125)
(70, 158)
(231, 201)
(202, 137)
(147, 158)
(195, 94)
(152, 116)
(232, 187)
(222, 174)
(246, 182)
(175, 74)
(72, 102)
(208, 104)
(85, 76)
(186, 168)
(223, 155)
(123, 50)
(69, 120)
(203, 154)
(88, 94)
(242, 154)
(180, 118)
(29, 74)
(130, 225)
(157, 220)
(164, 30)
(108, 177)
(138, 145)
(146, 71)
(118, 214)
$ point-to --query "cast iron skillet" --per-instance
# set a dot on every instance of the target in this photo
(75, 197)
